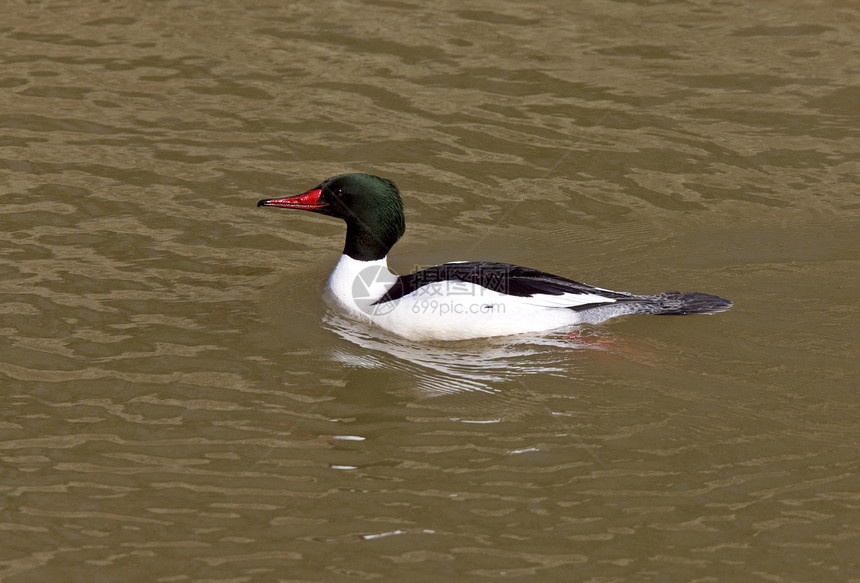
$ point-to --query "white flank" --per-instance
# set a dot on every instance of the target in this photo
(448, 310)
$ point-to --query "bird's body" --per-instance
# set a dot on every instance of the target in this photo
(458, 300)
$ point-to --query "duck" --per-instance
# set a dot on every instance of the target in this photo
(459, 300)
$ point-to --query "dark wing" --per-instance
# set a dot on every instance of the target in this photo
(499, 277)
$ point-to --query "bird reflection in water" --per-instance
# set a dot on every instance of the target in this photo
(445, 368)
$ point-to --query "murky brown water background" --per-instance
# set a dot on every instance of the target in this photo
(177, 404)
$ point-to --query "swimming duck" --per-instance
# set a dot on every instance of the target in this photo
(461, 299)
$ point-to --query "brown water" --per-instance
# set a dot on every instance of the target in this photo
(178, 405)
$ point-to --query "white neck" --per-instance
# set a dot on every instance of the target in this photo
(355, 285)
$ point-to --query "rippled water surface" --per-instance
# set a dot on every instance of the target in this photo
(179, 405)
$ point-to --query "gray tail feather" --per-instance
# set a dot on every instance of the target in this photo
(682, 303)
(664, 304)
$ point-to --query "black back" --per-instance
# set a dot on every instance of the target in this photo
(499, 277)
